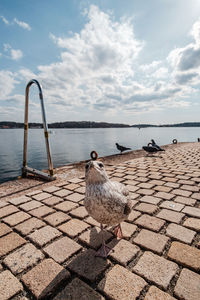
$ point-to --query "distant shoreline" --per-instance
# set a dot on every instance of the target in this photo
(90, 124)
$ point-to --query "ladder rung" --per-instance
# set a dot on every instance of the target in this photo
(39, 173)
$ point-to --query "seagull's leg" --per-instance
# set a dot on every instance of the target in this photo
(118, 231)
(104, 249)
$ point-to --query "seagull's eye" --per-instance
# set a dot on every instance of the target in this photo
(100, 165)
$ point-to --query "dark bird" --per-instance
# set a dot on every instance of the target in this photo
(153, 143)
(106, 201)
(150, 149)
(121, 148)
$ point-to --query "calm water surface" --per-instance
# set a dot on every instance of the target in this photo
(73, 145)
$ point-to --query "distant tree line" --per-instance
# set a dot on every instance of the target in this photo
(89, 124)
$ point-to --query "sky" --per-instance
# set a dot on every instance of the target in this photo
(120, 61)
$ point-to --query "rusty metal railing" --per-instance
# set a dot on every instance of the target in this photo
(25, 168)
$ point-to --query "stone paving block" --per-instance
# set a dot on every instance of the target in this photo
(123, 251)
(8, 210)
(52, 201)
(155, 176)
(57, 218)
(180, 192)
(71, 186)
(62, 193)
(119, 283)
(132, 188)
(187, 286)
(187, 182)
(146, 208)
(30, 205)
(171, 216)
(164, 196)
(156, 269)
(150, 222)
(87, 265)
(41, 196)
(150, 199)
(132, 183)
(192, 223)
(156, 182)
(134, 195)
(62, 249)
(77, 289)
(51, 189)
(170, 179)
(145, 185)
(44, 235)
(172, 185)
(162, 188)
(184, 200)
(79, 212)
(30, 194)
(10, 242)
(29, 226)
(16, 218)
(93, 237)
(172, 205)
(73, 227)
(156, 294)
(41, 211)
(185, 255)
(9, 285)
(19, 200)
(66, 206)
(43, 278)
(80, 190)
(75, 180)
(192, 211)
(22, 258)
(191, 188)
(128, 229)
(180, 233)
(151, 240)
(3, 203)
(145, 192)
(133, 215)
(92, 221)
(4, 229)
(196, 196)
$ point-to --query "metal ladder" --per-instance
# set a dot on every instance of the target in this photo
(25, 168)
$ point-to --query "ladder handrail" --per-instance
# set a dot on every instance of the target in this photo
(45, 126)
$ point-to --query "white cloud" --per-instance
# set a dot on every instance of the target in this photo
(22, 24)
(7, 84)
(4, 20)
(16, 54)
(98, 71)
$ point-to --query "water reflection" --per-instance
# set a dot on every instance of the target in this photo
(72, 145)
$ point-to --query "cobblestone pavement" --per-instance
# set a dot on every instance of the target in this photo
(48, 241)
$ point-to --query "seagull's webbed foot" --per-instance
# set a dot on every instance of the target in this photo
(118, 231)
(104, 249)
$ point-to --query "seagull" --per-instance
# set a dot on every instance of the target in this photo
(106, 201)
(153, 143)
(121, 148)
(150, 149)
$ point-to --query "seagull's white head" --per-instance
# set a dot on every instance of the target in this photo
(95, 172)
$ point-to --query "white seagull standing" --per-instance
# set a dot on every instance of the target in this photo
(106, 201)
